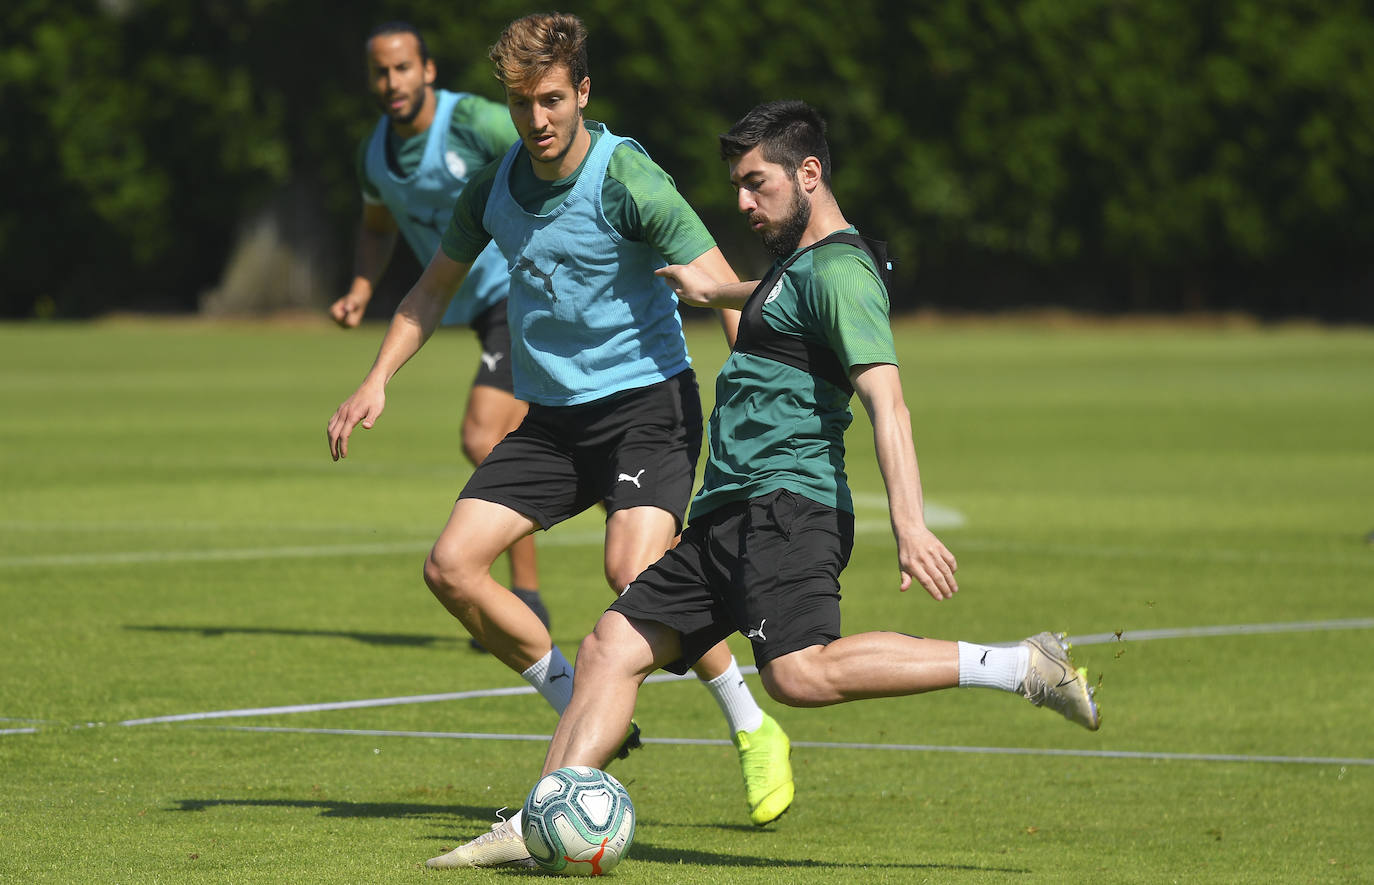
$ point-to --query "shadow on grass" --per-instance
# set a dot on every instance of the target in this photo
(328, 808)
(651, 853)
(642, 851)
(386, 639)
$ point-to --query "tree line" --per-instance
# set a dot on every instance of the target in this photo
(1109, 155)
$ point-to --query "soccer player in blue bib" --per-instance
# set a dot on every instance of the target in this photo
(411, 168)
(582, 219)
(772, 526)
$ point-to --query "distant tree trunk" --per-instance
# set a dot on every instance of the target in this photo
(284, 259)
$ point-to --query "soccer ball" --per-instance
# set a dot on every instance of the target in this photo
(578, 821)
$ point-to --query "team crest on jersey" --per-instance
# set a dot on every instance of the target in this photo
(455, 164)
(777, 290)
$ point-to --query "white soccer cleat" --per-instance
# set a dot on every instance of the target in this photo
(501, 846)
(1052, 681)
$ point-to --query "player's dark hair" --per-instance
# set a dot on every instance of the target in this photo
(789, 131)
(386, 29)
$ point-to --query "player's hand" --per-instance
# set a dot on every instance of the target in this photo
(348, 310)
(924, 557)
(364, 406)
(691, 285)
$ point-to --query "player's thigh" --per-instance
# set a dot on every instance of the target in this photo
(675, 594)
(786, 575)
(491, 413)
(532, 472)
(635, 539)
(653, 461)
(477, 532)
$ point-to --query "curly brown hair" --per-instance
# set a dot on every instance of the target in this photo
(532, 46)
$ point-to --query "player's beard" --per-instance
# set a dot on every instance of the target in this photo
(782, 240)
(557, 159)
(408, 117)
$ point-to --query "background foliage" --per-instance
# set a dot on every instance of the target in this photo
(1103, 154)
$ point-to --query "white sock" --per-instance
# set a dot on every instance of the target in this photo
(988, 666)
(515, 820)
(736, 702)
(552, 677)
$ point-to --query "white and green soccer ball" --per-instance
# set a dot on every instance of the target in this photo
(578, 821)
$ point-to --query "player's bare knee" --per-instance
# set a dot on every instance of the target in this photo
(618, 577)
(596, 652)
(792, 684)
(445, 574)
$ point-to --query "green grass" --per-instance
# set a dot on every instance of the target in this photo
(174, 539)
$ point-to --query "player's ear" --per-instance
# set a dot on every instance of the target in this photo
(584, 91)
(809, 174)
(431, 72)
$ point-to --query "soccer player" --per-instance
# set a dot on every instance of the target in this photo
(772, 525)
(412, 167)
(583, 218)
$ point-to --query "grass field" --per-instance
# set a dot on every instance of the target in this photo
(175, 541)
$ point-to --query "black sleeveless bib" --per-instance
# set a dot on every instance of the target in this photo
(760, 339)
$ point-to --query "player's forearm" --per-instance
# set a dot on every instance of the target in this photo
(371, 255)
(417, 316)
(731, 296)
(720, 287)
(897, 463)
(879, 389)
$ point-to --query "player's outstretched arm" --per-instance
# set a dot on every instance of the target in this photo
(728, 308)
(416, 319)
(708, 281)
(920, 554)
(376, 240)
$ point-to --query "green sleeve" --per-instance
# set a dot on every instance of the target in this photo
(849, 305)
(642, 203)
(465, 237)
(370, 192)
(485, 126)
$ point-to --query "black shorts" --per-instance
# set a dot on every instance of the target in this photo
(768, 567)
(631, 449)
(493, 370)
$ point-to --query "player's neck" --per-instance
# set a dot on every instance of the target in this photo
(422, 121)
(826, 218)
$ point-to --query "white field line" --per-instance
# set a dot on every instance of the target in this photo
(936, 516)
(1224, 630)
(1090, 639)
(370, 702)
(834, 745)
(582, 538)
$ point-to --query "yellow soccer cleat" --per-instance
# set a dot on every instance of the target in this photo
(765, 758)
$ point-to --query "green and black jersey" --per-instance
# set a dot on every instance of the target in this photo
(779, 427)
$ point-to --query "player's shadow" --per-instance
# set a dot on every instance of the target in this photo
(676, 854)
(460, 822)
(480, 816)
(413, 640)
(336, 809)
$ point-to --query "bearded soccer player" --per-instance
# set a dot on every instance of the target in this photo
(582, 218)
(412, 167)
(772, 526)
